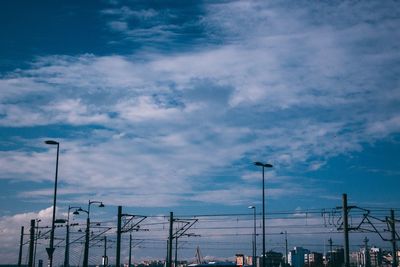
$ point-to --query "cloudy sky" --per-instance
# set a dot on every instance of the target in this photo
(164, 106)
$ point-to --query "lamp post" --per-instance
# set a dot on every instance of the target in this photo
(86, 252)
(254, 237)
(286, 248)
(263, 165)
(50, 249)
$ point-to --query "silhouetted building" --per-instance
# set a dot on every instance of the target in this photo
(335, 258)
(272, 259)
(314, 259)
(296, 257)
(375, 255)
(373, 258)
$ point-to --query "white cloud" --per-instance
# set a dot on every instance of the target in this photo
(283, 86)
(144, 108)
(10, 231)
(382, 128)
(118, 25)
(290, 86)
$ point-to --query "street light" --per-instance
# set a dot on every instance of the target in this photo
(254, 236)
(50, 250)
(286, 249)
(263, 165)
(66, 256)
(86, 252)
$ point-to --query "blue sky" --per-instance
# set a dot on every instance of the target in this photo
(163, 105)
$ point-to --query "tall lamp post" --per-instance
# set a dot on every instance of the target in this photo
(50, 249)
(254, 237)
(263, 165)
(86, 252)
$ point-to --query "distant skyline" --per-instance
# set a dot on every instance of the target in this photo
(164, 106)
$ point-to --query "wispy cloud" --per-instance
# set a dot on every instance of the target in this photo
(285, 85)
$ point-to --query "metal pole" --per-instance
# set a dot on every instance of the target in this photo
(66, 256)
(171, 225)
(331, 260)
(130, 250)
(86, 252)
(254, 239)
(31, 243)
(105, 260)
(36, 239)
(393, 232)
(176, 252)
(166, 257)
(50, 251)
(118, 256)
(286, 250)
(346, 232)
(21, 242)
(263, 165)
(263, 223)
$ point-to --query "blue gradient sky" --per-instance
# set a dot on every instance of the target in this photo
(163, 105)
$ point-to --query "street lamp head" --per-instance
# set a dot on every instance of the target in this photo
(76, 212)
(51, 142)
(81, 210)
(266, 165)
(101, 205)
(251, 207)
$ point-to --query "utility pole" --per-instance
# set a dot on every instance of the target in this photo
(393, 239)
(166, 257)
(130, 250)
(86, 250)
(21, 243)
(118, 256)
(331, 261)
(36, 240)
(171, 225)
(66, 256)
(346, 232)
(31, 242)
(176, 251)
(131, 223)
(105, 259)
